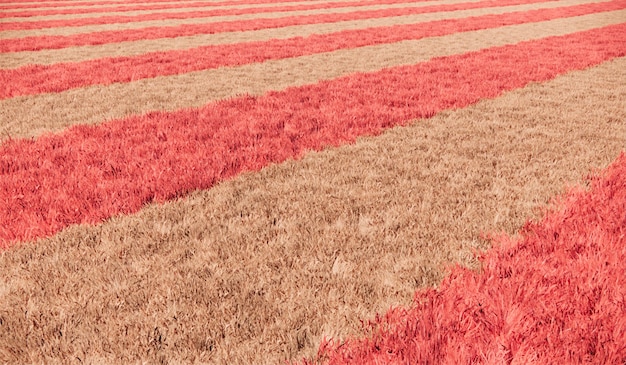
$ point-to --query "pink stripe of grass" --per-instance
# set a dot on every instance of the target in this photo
(90, 173)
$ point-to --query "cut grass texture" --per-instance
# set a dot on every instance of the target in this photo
(90, 173)
(195, 13)
(35, 43)
(36, 79)
(257, 269)
(557, 294)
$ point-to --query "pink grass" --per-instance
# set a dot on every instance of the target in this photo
(90, 173)
(35, 79)
(556, 295)
(35, 43)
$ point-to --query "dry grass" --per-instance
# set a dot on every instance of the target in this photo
(84, 53)
(55, 112)
(259, 268)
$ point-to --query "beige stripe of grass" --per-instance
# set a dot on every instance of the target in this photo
(127, 49)
(180, 9)
(258, 269)
(66, 31)
(28, 116)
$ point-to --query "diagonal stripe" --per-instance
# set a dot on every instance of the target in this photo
(89, 174)
(258, 269)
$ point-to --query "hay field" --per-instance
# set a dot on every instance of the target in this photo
(324, 181)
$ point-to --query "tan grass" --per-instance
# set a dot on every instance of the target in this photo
(55, 112)
(259, 268)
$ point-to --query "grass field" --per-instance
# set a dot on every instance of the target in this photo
(257, 181)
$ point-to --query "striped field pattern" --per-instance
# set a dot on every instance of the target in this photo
(313, 181)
